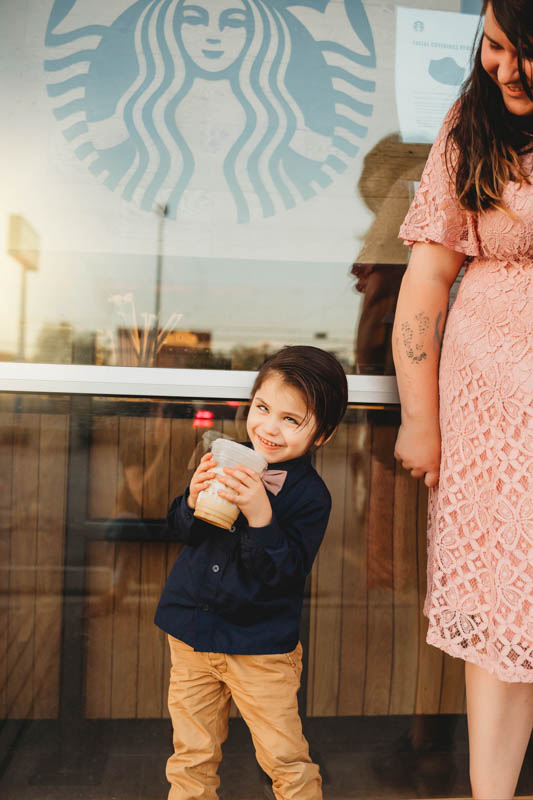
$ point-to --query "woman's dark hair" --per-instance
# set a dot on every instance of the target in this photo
(318, 376)
(485, 141)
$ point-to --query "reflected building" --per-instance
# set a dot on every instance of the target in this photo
(175, 348)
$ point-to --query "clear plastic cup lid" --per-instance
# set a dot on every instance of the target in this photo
(229, 454)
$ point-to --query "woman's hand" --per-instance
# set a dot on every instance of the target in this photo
(418, 449)
(249, 493)
(201, 478)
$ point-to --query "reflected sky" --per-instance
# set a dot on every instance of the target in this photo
(283, 278)
(241, 302)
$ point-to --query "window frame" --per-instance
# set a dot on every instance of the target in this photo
(165, 382)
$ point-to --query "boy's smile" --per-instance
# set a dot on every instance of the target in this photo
(277, 424)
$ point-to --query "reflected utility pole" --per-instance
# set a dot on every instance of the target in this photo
(23, 246)
(148, 355)
(163, 213)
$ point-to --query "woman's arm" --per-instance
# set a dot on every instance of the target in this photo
(417, 337)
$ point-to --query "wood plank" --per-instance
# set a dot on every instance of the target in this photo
(229, 428)
(152, 640)
(430, 659)
(156, 467)
(53, 459)
(405, 580)
(183, 441)
(452, 698)
(124, 672)
(99, 613)
(103, 468)
(6, 478)
(21, 603)
(182, 447)
(130, 473)
(354, 585)
(331, 465)
(380, 586)
(172, 554)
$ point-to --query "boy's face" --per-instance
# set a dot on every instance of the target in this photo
(276, 424)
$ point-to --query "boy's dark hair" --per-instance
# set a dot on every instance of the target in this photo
(318, 376)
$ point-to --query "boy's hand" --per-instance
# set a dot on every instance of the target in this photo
(201, 478)
(249, 493)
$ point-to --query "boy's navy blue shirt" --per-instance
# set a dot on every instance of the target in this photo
(241, 591)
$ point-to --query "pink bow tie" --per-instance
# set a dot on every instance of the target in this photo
(274, 479)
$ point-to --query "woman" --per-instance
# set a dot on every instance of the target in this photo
(474, 206)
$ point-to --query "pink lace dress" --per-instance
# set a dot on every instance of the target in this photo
(480, 528)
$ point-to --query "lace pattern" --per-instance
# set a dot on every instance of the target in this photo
(480, 527)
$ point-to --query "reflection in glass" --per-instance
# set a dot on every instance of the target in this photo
(388, 171)
(214, 313)
(86, 483)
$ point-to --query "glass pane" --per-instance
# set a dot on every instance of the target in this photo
(86, 483)
(182, 192)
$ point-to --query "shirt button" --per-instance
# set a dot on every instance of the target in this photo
(215, 568)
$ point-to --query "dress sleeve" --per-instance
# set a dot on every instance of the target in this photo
(435, 215)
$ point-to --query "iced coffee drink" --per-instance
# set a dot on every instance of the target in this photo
(209, 505)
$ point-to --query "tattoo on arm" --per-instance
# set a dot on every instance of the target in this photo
(415, 352)
(439, 331)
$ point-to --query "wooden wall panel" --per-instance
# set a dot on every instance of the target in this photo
(127, 655)
(125, 644)
(6, 483)
(156, 477)
(326, 606)
(367, 651)
(103, 468)
(23, 553)
(152, 640)
(354, 573)
(33, 465)
(380, 584)
(53, 453)
(99, 614)
(130, 467)
(183, 440)
(452, 697)
(385, 666)
(172, 554)
(405, 594)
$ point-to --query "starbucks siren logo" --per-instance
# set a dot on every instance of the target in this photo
(245, 95)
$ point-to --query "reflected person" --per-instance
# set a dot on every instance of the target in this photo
(389, 171)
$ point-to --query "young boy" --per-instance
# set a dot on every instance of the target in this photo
(233, 600)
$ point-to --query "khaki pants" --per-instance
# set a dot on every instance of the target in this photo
(264, 689)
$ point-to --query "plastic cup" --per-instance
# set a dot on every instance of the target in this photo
(209, 505)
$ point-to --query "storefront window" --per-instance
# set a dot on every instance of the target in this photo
(86, 482)
(174, 197)
(193, 185)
